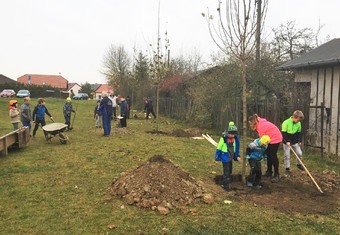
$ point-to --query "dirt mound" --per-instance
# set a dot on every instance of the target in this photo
(192, 132)
(329, 181)
(296, 193)
(159, 185)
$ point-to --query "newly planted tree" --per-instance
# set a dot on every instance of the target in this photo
(234, 32)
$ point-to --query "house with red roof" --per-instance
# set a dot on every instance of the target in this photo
(103, 88)
(57, 81)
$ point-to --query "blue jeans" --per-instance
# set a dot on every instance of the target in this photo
(107, 124)
(27, 124)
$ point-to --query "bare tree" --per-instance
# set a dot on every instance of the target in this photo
(159, 65)
(116, 63)
(290, 42)
(235, 35)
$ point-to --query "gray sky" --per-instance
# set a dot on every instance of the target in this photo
(71, 36)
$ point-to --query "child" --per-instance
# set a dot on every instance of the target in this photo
(39, 115)
(291, 131)
(25, 113)
(255, 153)
(67, 110)
(228, 148)
(14, 114)
(97, 115)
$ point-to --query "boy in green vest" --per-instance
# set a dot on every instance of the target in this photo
(227, 149)
(292, 136)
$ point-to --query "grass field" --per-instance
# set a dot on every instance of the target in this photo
(50, 188)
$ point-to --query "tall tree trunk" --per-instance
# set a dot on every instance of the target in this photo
(244, 111)
(157, 106)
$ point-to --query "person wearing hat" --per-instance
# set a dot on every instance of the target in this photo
(14, 114)
(256, 150)
(67, 110)
(228, 149)
(292, 137)
(39, 115)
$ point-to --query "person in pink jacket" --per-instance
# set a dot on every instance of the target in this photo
(264, 127)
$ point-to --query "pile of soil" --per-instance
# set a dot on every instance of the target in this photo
(159, 185)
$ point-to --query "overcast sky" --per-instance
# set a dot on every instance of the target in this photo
(71, 37)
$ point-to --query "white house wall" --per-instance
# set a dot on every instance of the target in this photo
(322, 90)
(76, 88)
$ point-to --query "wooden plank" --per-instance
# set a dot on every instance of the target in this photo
(20, 137)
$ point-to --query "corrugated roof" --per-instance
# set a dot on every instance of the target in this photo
(326, 54)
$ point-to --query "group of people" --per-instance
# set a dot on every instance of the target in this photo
(38, 116)
(264, 147)
(106, 110)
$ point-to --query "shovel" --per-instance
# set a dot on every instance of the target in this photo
(75, 114)
(309, 174)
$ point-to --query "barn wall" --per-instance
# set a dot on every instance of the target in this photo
(324, 89)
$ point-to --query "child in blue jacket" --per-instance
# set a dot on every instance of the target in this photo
(227, 149)
(255, 153)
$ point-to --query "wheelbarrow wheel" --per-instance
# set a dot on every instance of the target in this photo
(63, 138)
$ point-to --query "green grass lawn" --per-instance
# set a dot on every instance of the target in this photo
(50, 188)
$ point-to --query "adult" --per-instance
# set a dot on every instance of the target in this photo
(25, 113)
(106, 110)
(148, 107)
(264, 127)
(124, 110)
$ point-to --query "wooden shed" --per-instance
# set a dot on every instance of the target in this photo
(318, 75)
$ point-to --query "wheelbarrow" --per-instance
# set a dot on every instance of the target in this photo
(55, 129)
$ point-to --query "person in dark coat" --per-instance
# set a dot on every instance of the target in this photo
(106, 110)
(124, 111)
(148, 108)
(39, 115)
